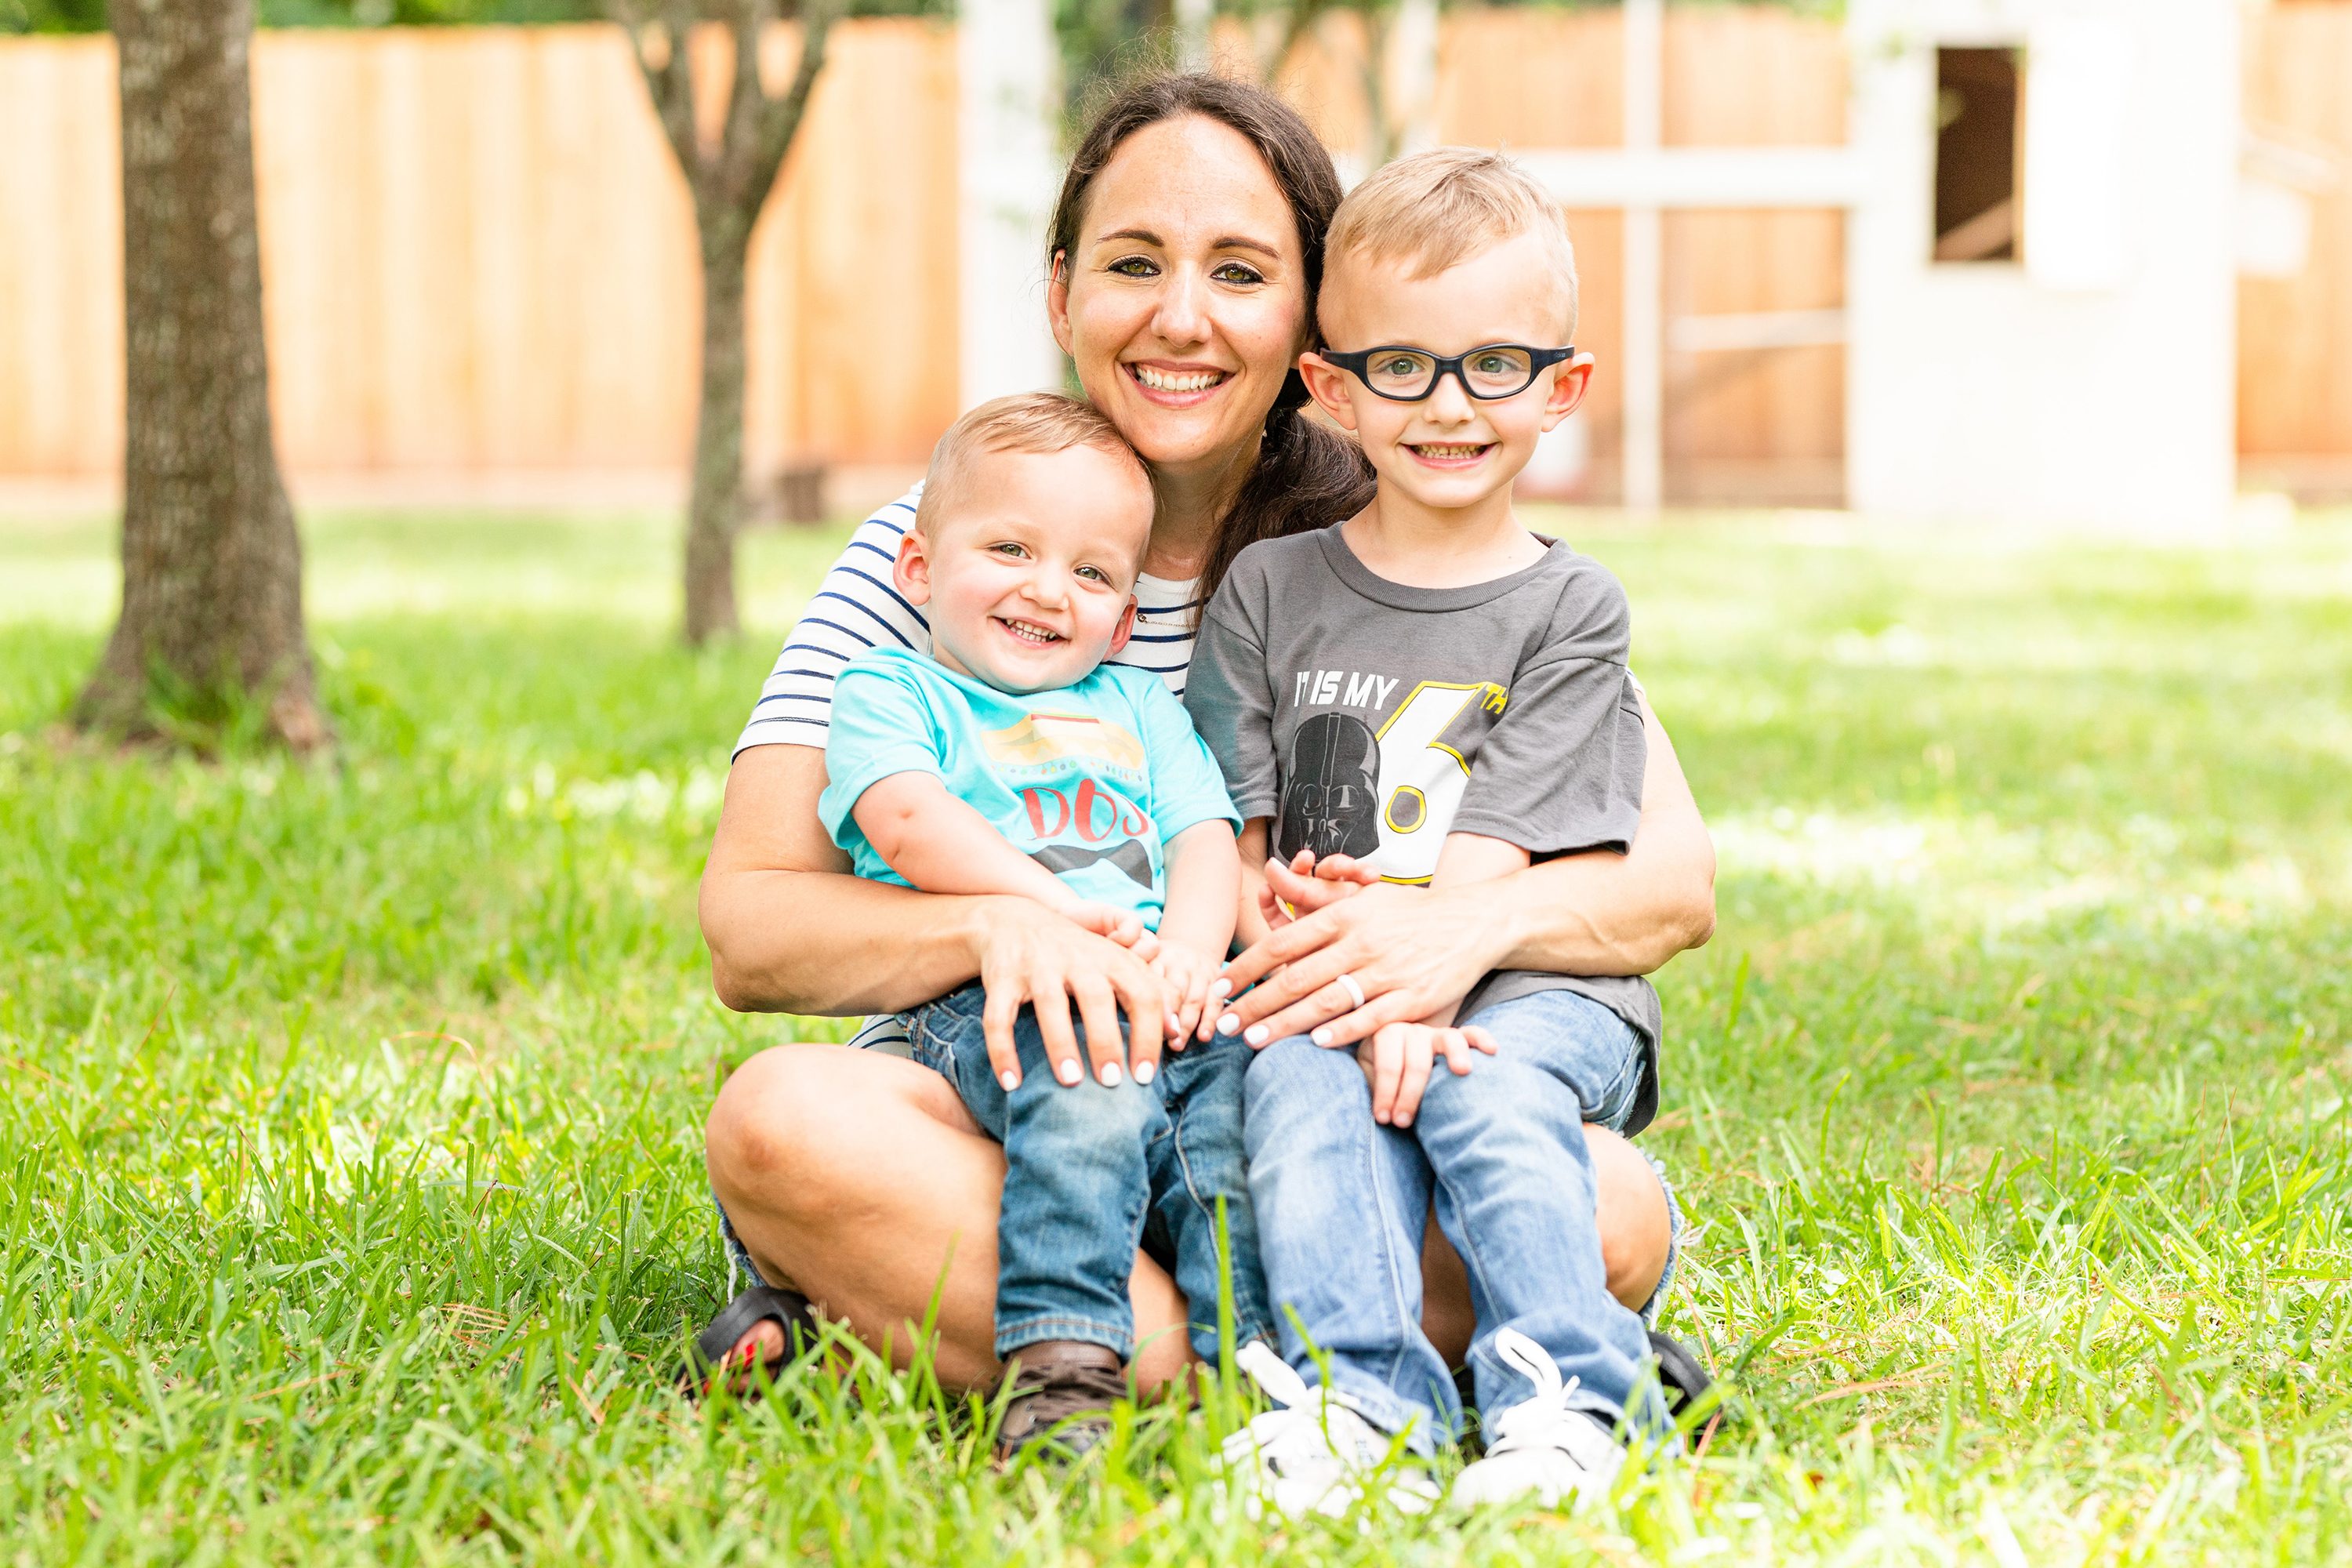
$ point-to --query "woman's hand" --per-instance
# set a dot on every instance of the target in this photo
(1029, 954)
(1307, 885)
(1124, 926)
(1411, 951)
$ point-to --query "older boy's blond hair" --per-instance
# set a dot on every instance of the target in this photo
(1023, 422)
(1440, 208)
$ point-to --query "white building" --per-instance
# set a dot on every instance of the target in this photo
(2041, 276)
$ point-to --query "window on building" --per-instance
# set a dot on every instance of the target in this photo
(1978, 104)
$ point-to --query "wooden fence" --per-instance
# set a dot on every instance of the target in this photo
(478, 256)
(2294, 336)
(476, 253)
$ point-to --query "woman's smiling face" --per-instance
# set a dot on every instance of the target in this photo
(1184, 301)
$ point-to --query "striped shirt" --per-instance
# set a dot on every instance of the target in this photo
(856, 608)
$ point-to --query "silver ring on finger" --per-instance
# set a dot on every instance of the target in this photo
(1355, 992)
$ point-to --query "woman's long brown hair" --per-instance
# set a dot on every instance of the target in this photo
(1307, 474)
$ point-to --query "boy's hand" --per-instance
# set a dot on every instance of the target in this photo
(1397, 1060)
(1308, 884)
(1188, 972)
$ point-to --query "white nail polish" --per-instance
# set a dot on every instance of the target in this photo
(1011, 1080)
(1111, 1075)
(1220, 989)
(1145, 1072)
(1069, 1072)
(1228, 1024)
(1322, 1036)
(1255, 1035)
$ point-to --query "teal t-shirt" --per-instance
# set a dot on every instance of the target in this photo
(1090, 781)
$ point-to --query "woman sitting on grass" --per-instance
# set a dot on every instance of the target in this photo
(1186, 249)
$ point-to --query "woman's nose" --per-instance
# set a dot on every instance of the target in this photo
(1182, 318)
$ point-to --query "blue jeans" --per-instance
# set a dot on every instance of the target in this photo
(1092, 1172)
(1342, 1201)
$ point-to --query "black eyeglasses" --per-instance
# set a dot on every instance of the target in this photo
(1404, 374)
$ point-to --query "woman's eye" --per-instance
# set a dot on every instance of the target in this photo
(1238, 274)
(1133, 267)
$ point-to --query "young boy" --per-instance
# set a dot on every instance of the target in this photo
(1428, 688)
(1014, 761)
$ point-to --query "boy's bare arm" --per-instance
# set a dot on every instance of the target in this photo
(1467, 858)
(943, 846)
(1256, 833)
(1204, 887)
(1196, 923)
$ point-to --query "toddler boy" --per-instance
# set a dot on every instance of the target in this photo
(1014, 761)
(1428, 688)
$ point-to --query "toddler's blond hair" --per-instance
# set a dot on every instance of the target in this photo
(1023, 422)
(1435, 209)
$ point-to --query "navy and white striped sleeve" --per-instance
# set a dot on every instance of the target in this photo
(855, 608)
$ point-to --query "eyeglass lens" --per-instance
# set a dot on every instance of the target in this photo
(1489, 373)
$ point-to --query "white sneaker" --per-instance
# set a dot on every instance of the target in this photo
(1541, 1448)
(1315, 1454)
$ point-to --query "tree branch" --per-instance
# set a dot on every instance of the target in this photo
(669, 84)
(1303, 15)
(780, 119)
(747, 99)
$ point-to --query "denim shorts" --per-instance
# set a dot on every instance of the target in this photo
(739, 1256)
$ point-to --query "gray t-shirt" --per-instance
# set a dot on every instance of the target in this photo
(1372, 719)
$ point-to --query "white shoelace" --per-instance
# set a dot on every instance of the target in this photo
(1312, 1435)
(1546, 1420)
(1300, 1426)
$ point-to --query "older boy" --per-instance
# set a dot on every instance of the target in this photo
(1012, 760)
(1432, 690)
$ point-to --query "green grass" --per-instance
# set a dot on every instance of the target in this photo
(350, 1176)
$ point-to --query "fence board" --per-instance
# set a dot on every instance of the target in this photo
(1753, 77)
(60, 258)
(2294, 336)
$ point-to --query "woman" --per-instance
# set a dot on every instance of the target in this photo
(1186, 250)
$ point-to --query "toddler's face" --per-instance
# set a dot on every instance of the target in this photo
(1028, 579)
(1449, 450)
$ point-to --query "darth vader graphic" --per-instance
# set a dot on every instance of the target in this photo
(1329, 804)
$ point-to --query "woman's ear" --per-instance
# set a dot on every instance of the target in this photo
(1568, 389)
(912, 570)
(1057, 300)
(1328, 385)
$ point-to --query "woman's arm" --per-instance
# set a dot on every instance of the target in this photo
(1413, 952)
(790, 931)
(1600, 913)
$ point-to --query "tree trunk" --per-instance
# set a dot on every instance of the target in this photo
(212, 565)
(715, 509)
(730, 177)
